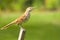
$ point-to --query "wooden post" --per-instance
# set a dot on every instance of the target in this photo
(21, 34)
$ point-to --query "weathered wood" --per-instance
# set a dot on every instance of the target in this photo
(21, 34)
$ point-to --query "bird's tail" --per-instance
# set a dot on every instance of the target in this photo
(6, 26)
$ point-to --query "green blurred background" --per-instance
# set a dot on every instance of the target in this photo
(44, 23)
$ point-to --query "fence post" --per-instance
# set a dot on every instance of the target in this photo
(21, 34)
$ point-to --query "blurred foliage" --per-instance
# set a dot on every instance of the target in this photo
(26, 4)
(22, 4)
(38, 3)
(51, 4)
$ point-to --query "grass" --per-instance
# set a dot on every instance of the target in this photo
(41, 26)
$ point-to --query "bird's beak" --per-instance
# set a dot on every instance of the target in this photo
(33, 7)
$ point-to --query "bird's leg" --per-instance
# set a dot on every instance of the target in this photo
(21, 26)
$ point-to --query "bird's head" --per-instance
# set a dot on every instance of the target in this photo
(29, 9)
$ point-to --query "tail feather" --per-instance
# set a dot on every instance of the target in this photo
(6, 26)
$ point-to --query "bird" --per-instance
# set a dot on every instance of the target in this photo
(20, 20)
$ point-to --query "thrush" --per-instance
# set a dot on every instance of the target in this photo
(21, 19)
